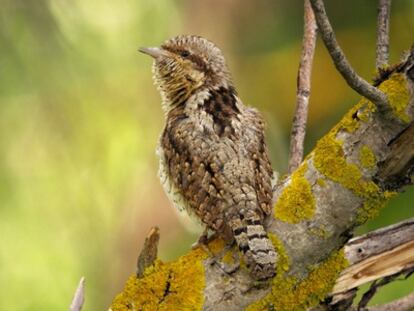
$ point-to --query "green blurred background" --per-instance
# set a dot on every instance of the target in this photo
(80, 120)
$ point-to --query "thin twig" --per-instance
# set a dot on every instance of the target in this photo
(149, 252)
(303, 88)
(79, 297)
(403, 304)
(341, 63)
(369, 294)
(383, 26)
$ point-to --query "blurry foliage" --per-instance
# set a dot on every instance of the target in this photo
(80, 119)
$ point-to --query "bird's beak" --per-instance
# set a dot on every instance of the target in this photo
(153, 52)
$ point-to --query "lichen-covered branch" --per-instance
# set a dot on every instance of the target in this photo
(340, 185)
(341, 62)
(383, 27)
(303, 89)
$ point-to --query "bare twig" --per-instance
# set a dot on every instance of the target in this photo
(341, 63)
(403, 304)
(303, 88)
(79, 297)
(369, 294)
(149, 251)
(383, 26)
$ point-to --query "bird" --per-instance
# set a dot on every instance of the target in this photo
(214, 162)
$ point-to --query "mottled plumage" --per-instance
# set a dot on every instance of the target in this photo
(213, 157)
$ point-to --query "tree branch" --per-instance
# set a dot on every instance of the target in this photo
(386, 264)
(316, 209)
(368, 295)
(403, 304)
(383, 26)
(369, 250)
(149, 251)
(303, 89)
(379, 241)
(79, 296)
(341, 63)
(400, 159)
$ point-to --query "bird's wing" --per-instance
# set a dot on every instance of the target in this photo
(216, 174)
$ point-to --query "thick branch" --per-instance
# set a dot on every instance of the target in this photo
(341, 63)
(316, 209)
(383, 26)
(303, 89)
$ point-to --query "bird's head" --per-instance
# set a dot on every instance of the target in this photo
(186, 64)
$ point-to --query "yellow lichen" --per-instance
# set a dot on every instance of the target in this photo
(321, 182)
(367, 157)
(366, 108)
(228, 257)
(357, 114)
(349, 122)
(329, 159)
(371, 208)
(397, 91)
(283, 259)
(319, 231)
(178, 285)
(296, 203)
(288, 294)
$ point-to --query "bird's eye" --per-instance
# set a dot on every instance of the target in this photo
(184, 53)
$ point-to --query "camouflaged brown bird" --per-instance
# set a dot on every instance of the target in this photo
(213, 157)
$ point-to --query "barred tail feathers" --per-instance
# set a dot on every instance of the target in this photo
(253, 242)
